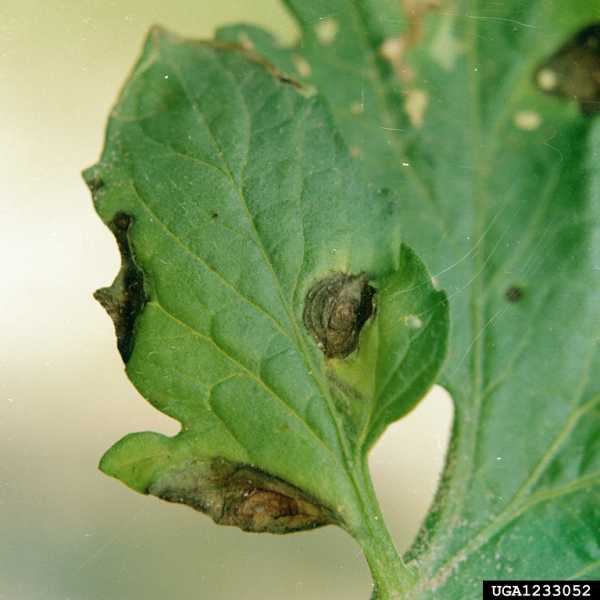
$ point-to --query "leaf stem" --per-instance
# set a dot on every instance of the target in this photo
(392, 578)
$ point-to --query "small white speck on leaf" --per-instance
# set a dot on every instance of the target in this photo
(445, 47)
(405, 164)
(301, 65)
(528, 120)
(245, 41)
(415, 106)
(547, 80)
(357, 108)
(413, 322)
(392, 50)
(326, 30)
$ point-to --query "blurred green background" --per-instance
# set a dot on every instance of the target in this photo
(66, 531)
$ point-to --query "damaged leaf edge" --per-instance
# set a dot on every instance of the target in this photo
(125, 298)
(241, 495)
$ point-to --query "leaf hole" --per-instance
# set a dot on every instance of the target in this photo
(412, 451)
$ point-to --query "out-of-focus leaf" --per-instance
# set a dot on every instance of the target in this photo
(471, 112)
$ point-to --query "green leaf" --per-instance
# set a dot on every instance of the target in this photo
(499, 191)
(266, 300)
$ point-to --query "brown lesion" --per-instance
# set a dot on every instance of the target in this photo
(336, 309)
(125, 298)
(268, 510)
(287, 80)
(573, 71)
(241, 496)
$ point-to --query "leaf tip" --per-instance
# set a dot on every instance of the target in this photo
(136, 459)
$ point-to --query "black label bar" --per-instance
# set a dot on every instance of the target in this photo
(556, 590)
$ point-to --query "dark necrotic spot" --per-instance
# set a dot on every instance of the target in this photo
(122, 222)
(289, 81)
(335, 311)
(514, 293)
(125, 298)
(573, 71)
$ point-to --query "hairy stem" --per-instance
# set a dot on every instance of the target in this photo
(391, 576)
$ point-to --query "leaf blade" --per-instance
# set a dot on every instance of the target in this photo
(239, 194)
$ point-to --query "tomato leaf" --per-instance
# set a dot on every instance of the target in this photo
(266, 300)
